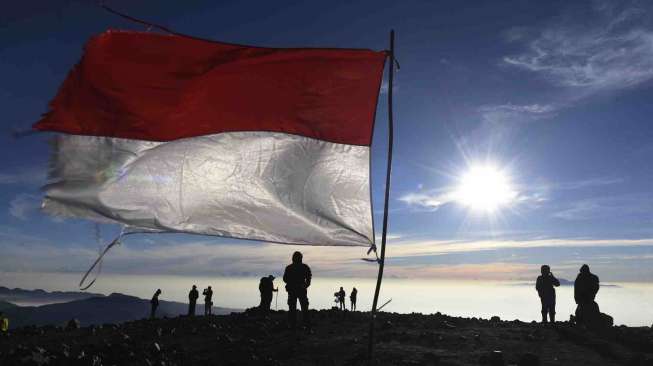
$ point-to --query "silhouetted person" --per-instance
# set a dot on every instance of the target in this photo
(585, 288)
(208, 300)
(340, 295)
(4, 323)
(545, 286)
(192, 300)
(297, 277)
(266, 288)
(154, 303)
(352, 299)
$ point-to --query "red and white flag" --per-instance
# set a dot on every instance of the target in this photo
(174, 134)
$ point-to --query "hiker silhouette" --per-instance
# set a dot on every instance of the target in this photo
(586, 287)
(192, 300)
(340, 296)
(154, 303)
(208, 300)
(545, 286)
(297, 277)
(352, 298)
(266, 288)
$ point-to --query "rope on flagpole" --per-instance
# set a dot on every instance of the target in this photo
(384, 304)
(151, 25)
(391, 55)
(98, 261)
(139, 21)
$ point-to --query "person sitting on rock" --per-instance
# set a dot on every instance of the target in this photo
(340, 296)
(545, 286)
(154, 303)
(586, 287)
(208, 300)
(192, 300)
(352, 299)
(297, 277)
(4, 323)
(266, 288)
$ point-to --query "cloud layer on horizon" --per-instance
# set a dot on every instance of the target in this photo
(406, 258)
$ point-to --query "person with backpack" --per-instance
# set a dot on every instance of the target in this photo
(586, 286)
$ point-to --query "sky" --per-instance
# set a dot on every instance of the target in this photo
(555, 96)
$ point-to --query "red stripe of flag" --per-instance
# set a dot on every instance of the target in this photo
(158, 87)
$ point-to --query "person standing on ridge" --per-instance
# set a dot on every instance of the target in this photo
(154, 303)
(208, 300)
(586, 287)
(352, 299)
(192, 300)
(297, 277)
(545, 286)
(340, 295)
(266, 288)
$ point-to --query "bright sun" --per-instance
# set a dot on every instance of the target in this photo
(484, 188)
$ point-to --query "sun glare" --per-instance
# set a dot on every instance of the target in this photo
(484, 188)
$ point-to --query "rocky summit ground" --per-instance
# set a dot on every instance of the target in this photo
(337, 338)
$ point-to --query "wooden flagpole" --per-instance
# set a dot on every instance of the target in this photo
(391, 55)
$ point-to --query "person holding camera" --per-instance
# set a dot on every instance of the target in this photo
(208, 300)
(545, 286)
(340, 297)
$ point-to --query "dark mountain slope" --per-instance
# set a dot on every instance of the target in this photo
(114, 308)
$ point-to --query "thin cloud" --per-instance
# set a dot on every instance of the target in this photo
(23, 205)
(516, 34)
(433, 200)
(591, 182)
(607, 207)
(527, 196)
(436, 247)
(34, 176)
(613, 51)
(512, 113)
(430, 201)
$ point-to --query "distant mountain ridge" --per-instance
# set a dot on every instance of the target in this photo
(94, 309)
(6, 305)
(20, 296)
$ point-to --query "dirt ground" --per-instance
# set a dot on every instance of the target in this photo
(336, 338)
